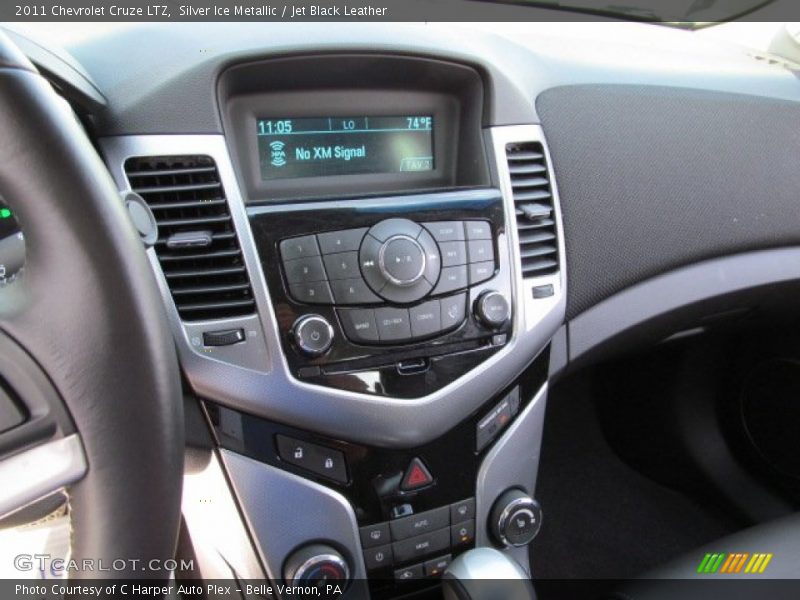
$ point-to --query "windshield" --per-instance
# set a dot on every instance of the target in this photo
(679, 13)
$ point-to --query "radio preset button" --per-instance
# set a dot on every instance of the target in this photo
(393, 324)
(446, 231)
(359, 324)
(304, 270)
(341, 241)
(478, 230)
(342, 266)
(299, 247)
(352, 291)
(316, 292)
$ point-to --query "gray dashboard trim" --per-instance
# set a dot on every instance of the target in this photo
(513, 462)
(285, 511)
(272, 392)
(677, 289)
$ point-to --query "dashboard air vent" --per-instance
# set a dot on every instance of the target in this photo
(533, 203)
(197, 245)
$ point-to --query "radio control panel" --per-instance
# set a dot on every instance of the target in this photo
(398, 301)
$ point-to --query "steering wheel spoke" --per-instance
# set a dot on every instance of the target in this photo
(88, 370)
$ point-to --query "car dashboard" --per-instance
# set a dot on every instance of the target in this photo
(377, 249)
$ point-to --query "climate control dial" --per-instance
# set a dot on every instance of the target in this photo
(316, 565)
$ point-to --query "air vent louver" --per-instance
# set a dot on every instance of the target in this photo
(197, 245)
(533, 204)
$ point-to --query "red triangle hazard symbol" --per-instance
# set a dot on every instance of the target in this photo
(416, 476)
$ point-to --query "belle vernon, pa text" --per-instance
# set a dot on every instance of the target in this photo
(139, 590)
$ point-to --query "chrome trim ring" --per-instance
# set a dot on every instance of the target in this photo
(298, 338)
(529, 506)
(385, 271)
(296, 577)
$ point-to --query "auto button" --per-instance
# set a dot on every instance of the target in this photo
(418, 524)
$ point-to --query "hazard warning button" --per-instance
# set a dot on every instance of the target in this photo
(416, 476)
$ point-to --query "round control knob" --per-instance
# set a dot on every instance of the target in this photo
(313, 335)
(316, 565)
(401, 260)
(492, 309)
(515, 518)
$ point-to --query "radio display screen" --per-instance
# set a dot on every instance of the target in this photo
(326, 146)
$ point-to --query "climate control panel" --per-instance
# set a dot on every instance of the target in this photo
(389, 296)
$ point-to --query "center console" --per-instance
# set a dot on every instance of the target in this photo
(363, 277)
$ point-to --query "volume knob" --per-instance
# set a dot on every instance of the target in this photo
(492, 309)
(313, 335)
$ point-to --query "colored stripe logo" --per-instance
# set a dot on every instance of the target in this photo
(736, 562)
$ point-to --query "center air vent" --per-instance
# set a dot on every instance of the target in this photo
(197, 245)
(533, 204)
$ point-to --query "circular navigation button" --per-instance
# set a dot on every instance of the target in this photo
(402, 260)
(313, 335)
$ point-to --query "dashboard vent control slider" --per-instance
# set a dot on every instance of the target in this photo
(197, 245)
(533, 206)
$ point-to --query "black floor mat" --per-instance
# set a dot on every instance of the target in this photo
(602, 519)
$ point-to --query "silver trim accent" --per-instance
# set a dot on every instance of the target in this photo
(315, 560)
(385, 271)
(284, 511)
(535, 310)
(485, 563)
(261, 383)
(298, 338)
(40, 471)
(223, 546)
(512, 462)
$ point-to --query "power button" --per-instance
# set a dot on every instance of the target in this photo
(313, 335)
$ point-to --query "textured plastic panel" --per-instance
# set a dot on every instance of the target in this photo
(654, 178)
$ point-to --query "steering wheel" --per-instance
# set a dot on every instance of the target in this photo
(86, 355)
